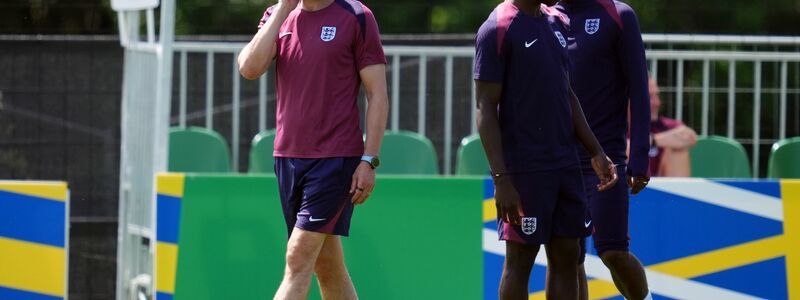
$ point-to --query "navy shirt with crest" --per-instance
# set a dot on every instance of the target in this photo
(527, 54)
(609, 75)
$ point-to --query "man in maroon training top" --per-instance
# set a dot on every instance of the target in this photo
(323, 51)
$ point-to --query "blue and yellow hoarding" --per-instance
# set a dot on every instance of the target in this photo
(34, 240)
(698, 239)
(168, 209)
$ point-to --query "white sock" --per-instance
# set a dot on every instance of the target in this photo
(649, 296)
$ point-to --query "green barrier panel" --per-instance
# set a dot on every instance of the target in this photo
(415, 238)
(418, 239)
(232, 238)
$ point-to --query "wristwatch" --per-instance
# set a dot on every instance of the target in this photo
(373, 161)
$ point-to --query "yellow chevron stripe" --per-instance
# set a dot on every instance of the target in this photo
(166, 267)
(703, 263)
(598, 289)
(489, 210)
(32, 267)
(170, 184)
(790, 192)
(51, 190)
(724, 259)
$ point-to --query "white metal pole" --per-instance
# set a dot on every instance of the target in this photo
(756, 118)
(473, 102)
(262, 103)
(163, 106)
(151, 26)
(210, 90)
(182, 92)
(679, 92)
(784, 82)
(706, 96)
(235, 116)
(731, 99)
(396, 92)
(422, 90)
(448, 113)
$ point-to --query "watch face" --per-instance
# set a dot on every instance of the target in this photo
(376, 161)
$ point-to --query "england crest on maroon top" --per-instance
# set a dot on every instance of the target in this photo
(328, 33)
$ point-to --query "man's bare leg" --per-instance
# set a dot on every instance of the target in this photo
(334, 280)
(301, 257)
(628, 273)
(517, 270)
(562, 266)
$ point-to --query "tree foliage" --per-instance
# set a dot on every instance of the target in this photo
(775, 17)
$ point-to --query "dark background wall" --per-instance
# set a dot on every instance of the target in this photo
(59, 120)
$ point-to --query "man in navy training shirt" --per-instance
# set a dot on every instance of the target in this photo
(609, 75)
(529, 120)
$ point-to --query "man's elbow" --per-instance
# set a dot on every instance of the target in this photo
(377, 97)
(692, 140)
(249, 72)
(691, 137)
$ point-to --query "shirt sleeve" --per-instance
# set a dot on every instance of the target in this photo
(634, 65)
(369, 50)
(671, 123)
(489, 63)
(265, 17)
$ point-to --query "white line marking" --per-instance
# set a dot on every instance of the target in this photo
(722, 195)
(660, 283)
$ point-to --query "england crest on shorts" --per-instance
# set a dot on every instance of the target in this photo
(528, 225)
(328, 33)
(592, 26)
(561, 39)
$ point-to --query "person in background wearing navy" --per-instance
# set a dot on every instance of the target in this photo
(609, 75)
(323, 51)
(529, 119)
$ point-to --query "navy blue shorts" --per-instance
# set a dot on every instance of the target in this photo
(553, 204)
(609, 212)
(315, 193)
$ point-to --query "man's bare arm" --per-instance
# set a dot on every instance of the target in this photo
(506, 195)
(374, 79)
(679, 138)
(256, 57)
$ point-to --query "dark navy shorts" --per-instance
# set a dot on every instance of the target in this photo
(553, 203)
(315, 193)
(609, 212)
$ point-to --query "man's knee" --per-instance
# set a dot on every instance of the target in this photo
(614, 257)
(299, 264)
(301, 254)
(520, 256)
(564, 251)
